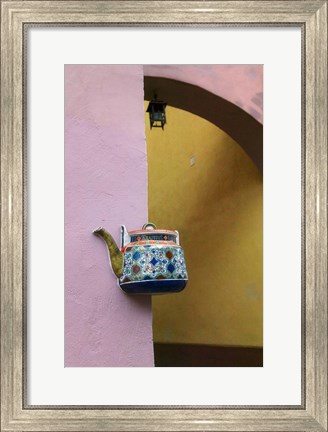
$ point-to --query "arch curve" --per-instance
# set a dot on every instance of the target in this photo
(233, 120)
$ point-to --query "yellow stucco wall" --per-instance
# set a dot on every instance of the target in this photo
(216, 205)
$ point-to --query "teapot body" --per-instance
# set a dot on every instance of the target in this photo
(154, 262)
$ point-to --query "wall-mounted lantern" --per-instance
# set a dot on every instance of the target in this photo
(157, 116)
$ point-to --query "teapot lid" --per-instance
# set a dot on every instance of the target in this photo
(150, 227)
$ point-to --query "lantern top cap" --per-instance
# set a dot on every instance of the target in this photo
(155, 102)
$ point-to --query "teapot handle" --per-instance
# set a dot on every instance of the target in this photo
(148, 225)
(125, 237)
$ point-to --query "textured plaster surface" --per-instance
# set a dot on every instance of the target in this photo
(218, 211)
(105, 184)
(239, 84)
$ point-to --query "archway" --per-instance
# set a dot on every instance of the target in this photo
(233, 120)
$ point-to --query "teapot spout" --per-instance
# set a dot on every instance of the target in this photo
(115, 255)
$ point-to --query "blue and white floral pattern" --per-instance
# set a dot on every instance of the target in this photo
(153, 262)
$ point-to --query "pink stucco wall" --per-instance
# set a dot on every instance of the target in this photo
(240, 84)
(105, 184)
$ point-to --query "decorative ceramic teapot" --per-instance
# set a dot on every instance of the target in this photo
(150, 261)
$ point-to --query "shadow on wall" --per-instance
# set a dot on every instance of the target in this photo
(203, 184)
